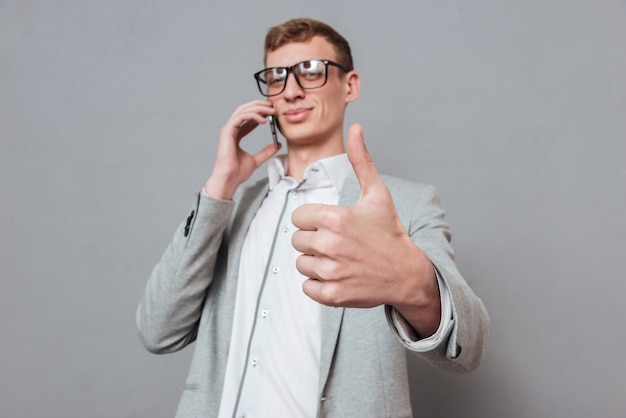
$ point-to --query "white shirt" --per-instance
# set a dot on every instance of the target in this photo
(274, 355)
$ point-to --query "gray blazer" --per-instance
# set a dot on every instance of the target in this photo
(190, 296)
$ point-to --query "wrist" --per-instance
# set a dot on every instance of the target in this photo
(220, 188)
(420, 300)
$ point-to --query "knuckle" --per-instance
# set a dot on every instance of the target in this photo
(330, 245)
(328, 270)
(294, 240)
(333, 218)
(331, 295)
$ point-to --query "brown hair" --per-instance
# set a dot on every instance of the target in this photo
(303, 30)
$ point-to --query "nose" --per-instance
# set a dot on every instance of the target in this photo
(292, 88)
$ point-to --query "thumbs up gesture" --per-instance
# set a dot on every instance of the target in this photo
(360, 256)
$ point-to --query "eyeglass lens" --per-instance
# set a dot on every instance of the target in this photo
(309, 75)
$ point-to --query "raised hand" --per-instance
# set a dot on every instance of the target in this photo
(360, 256)
(233, 165)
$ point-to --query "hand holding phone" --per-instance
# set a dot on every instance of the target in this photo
(273, 126)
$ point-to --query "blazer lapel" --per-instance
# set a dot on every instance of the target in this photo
(331, 324)
(248, 204)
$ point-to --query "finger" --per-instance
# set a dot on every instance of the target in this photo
(247, 117)
(308, 216)
(260, 107)
(266, 153)
(305, 264)
(247, 126)
(302, 241)
(247, 122)
(361, 161)
(313, 289)
(325, 292)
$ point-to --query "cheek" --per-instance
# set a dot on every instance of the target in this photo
(334, 110)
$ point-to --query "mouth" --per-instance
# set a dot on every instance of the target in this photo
(297, 114)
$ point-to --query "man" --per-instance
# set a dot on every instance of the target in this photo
(302, 291)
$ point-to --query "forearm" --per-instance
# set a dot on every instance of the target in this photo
(461, 339)
(170, 308)
(460, 342)
(419, 302)
(221, 186)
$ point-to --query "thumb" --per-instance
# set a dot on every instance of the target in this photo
(361, 161)
(266, 153)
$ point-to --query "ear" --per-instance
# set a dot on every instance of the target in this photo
(353, 86)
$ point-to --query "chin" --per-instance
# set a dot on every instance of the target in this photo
(300, 136)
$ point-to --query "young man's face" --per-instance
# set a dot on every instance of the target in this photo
(312, 116)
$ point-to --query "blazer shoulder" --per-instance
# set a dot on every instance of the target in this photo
(408, 192)
(403, 185)
(403, 192)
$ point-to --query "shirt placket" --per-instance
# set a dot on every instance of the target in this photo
(268, 312)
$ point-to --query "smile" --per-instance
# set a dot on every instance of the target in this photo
(297, 115)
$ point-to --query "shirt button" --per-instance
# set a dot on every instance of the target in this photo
(286, 228)
(264, 313)
(275, 269)
(254, 362)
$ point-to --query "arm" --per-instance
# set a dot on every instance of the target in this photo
(169, 312)
(460, 341)
(362, 256)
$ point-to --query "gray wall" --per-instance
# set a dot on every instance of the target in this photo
(516, 110)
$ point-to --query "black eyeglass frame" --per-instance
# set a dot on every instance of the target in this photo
(291, 70)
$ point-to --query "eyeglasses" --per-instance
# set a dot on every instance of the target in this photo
(310, 74)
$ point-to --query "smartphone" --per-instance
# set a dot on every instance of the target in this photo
(273, 126)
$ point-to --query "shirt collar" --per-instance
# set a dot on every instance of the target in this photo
(336, 168)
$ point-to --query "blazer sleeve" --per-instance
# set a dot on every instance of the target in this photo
(169, 311)
(463, 346)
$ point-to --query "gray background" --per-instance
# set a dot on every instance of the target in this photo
(516, 110)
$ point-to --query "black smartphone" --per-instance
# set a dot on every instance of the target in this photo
(273, 126)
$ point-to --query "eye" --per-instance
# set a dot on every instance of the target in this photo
(275, 76)
(311, 70)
